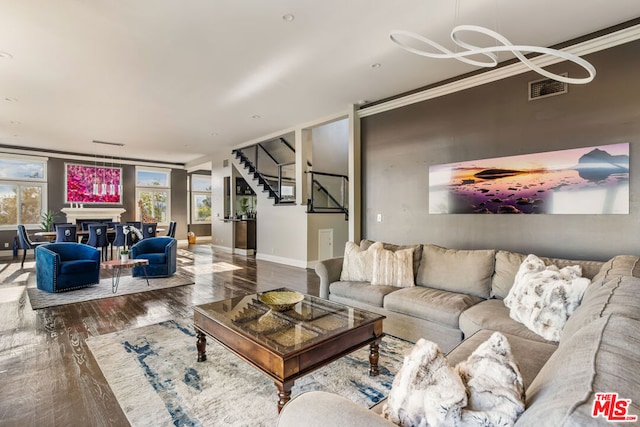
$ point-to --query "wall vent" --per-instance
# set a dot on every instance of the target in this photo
(547, 87)
(225, 163)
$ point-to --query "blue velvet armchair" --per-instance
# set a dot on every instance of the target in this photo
(161, 253)
(66, 266)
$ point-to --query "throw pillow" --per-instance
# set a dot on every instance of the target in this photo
(495, 389)
(357, 265)
(393, 268)
(543, 297)
(486, 389)
(426, 391)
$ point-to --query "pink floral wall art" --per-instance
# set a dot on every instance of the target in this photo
(590, 180)
(93, 184)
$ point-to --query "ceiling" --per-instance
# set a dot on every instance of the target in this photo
(177, 80)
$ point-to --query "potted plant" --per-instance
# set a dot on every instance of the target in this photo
(244, 206)
(47, 219)
(124, 255)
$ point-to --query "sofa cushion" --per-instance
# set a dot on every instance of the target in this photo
(393, 268)
(543, 297)
(361, 291)
(621, 265)
(508, 263)
(430, 304)
(530, 356)
(417, 251)
(357, 265)
(494, 315)
(601, 357)
(154, 258)
(454, 270)
(78, 266)
(619, 296)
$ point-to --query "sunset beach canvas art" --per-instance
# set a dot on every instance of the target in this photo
(590, 180)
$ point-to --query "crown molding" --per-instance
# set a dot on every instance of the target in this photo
(607, 41)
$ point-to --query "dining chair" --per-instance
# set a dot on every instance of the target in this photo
(25, 242)
(149, 229)
(66, 233)
(132, 238)
(172, 229)
(120, 240)
(98, 238)
(56, 224)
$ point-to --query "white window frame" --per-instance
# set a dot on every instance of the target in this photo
(194, 193)
(26, 182)
(154, 189)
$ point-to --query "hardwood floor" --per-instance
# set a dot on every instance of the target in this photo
(47, 375)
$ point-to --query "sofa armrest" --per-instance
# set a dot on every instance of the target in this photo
(322, 409)
(329, 271)
(47, 261)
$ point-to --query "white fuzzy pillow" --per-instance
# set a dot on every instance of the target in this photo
(393, 268)
(494, 384)
(543, 297)
(357, 265)
(426, 391)
(485, 390)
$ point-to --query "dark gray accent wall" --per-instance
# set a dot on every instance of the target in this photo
(56, 197)
(496, 120)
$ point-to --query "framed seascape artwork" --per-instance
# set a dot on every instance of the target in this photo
(92, 184)
(591, 180)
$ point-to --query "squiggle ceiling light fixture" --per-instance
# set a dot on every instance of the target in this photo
(490, 52)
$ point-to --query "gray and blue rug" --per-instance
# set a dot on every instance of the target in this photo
(155, 377)
(128, 285)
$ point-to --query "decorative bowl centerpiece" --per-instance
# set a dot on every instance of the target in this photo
(281, 300)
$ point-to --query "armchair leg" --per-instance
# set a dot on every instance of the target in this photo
(24, 255)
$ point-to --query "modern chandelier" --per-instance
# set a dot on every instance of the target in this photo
(490, 53)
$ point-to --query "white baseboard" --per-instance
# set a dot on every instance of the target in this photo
(245, 252)
(222, 248)
(281, 260)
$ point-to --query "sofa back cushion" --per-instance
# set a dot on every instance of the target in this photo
(620, 296)
(620, 265)
(508, 263)
(596, 359)
(455, 270)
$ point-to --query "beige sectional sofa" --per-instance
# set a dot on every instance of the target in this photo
(457, 303)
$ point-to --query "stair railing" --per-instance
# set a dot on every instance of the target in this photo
(329, 193)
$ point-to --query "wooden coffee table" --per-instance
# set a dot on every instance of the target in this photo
(287, 345)
(117, 265)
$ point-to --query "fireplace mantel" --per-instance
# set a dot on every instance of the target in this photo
(74, 214)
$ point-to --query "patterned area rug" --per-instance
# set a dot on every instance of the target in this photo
(128, 285)
(155, 377)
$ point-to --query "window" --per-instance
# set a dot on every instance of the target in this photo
(23, 190)
(200, 199)
(153, 188)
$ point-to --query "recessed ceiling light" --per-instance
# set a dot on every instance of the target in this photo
(376, 65)
(9, 99)
(6, 55)
(15, 122)
(215, 134)
(255, 116)
(288, 17)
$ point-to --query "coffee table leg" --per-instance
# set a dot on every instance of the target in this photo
(201, 345)
(284, 394)
(374, 355)
(144, 269)
(115, 279)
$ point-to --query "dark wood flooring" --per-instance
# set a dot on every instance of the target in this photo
(48, 377)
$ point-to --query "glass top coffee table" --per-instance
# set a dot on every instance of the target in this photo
(288, 345)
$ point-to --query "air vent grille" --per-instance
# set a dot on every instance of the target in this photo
(547, 87)
(225, 163)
